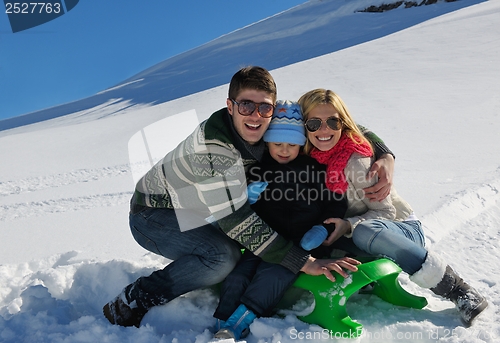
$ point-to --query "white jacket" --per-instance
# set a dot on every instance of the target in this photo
(359, 208)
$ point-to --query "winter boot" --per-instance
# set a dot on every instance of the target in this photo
(238, 325)
(219, 324)
(443, 281)
(468, 301)
(224, 333)
(120, 311)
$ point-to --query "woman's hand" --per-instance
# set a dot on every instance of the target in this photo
(384, 168)
(342, 227)
(325, 266)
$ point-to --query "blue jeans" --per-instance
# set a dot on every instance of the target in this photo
(402, 242)
(200, 257)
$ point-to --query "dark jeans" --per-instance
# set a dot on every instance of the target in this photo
(201, 257)
(257, 284)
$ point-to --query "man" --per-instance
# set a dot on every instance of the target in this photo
(205, 177)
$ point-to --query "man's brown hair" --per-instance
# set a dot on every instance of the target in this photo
(252, 77)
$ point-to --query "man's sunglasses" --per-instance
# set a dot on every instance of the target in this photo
(314, 124)
(247, 107)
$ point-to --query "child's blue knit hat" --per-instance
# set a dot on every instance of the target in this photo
(287, 125)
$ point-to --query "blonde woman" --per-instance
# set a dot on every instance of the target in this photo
(386, 228)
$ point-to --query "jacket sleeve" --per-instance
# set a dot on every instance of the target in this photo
(334, 207)
(377, 143)
(359, 207)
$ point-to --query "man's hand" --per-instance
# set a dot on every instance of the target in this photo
(384, 168)
(342, 227)
(325, 266)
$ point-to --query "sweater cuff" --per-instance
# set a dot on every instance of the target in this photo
(354, 221)
(295, 259)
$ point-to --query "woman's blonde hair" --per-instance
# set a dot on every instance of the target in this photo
(321, 96)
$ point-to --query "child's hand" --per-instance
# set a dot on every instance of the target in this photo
(314, 237)
(254, 189)
(342, 227)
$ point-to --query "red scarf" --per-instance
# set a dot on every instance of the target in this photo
(336, 160)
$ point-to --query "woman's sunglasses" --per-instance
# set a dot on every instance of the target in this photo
(247, 107)
(314, 124)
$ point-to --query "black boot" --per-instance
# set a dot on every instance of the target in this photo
(119, 311)
(468, 301)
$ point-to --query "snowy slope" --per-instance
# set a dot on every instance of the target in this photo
(430, 90)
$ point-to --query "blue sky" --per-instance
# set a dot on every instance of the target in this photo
(100, 43)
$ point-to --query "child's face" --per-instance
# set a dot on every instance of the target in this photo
(283, 152)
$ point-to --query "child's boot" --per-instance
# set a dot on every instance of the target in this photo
(238, 325)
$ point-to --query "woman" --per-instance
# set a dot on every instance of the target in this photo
(387, 228)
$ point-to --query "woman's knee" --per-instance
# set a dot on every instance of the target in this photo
(365, 232)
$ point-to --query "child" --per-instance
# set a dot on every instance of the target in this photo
(294, 199)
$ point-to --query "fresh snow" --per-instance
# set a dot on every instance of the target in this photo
(429, 88)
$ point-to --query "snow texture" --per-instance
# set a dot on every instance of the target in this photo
(425, 79)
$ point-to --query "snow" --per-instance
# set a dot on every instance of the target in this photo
(428, 85)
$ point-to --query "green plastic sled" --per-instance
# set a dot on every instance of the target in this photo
(331, 297)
